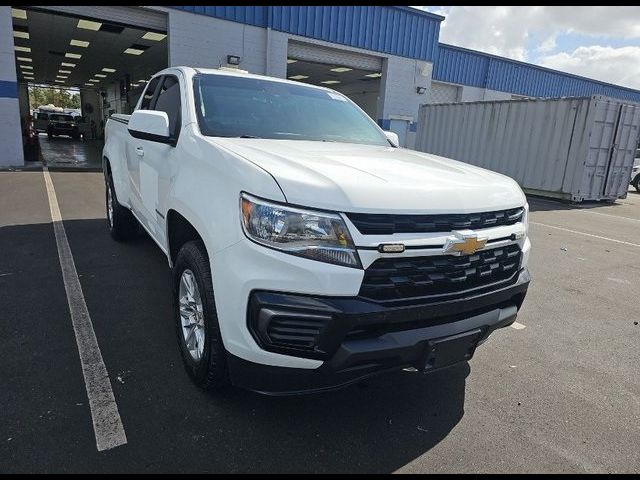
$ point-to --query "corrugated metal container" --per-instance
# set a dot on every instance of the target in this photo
(572, 148)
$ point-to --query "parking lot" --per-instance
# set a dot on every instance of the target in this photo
(559, 392)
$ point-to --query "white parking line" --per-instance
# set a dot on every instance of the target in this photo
(518, 326)
(107, 424)
(585, 234)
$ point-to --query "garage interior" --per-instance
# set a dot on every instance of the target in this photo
(108, 62)
(354, 75)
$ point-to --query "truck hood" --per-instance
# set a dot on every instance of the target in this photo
(377, 179)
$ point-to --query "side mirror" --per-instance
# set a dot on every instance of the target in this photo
(150, 125)
(393, 138)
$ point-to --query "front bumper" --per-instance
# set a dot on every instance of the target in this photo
(357, 338)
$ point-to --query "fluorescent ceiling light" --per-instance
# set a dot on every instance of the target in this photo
(298, 77)
(64, 71)
(156, 37)
(133, 51)
(374, 75)
(62, 76)
(341, 69)
(21, 34)
(79, 43)
(94, 80)
(19, 13)
(291, 60)
(89, 84)
(330, 82)
(24, 59)
(89, 25)
(22, 49)
(26, 67)
(142, 81)
(65, 64)
(72, 55)
(100, 75)
(109, 70)
(59, 81)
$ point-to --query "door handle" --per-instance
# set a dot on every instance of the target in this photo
(140, 151)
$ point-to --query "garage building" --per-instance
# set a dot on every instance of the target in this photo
(385, 58)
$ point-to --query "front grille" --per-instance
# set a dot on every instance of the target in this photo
(383, 224)
(410, 277)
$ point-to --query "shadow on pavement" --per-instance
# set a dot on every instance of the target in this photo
(172, 426)
(542, 204)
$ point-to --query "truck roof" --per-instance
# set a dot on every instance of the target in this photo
(233, 72)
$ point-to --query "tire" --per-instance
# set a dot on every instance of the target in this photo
(636, 183)
(49, 134)
(122, 224)
(205, 358)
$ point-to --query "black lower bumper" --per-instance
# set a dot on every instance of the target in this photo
(357, 338)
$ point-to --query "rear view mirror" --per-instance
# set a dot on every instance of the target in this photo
(393, 138)
(150, 125)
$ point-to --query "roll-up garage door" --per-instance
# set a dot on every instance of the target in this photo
(333, 56)
(443, 93)
(131, 16)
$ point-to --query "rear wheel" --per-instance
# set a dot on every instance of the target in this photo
(197, 327)
(636, 183)
(122, 224)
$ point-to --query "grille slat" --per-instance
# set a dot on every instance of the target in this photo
(383, 224)
(410, 277)
(296, 332)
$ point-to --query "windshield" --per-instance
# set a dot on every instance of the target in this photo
(61, 118)
(254, 108)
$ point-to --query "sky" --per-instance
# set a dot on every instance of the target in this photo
(596, 42)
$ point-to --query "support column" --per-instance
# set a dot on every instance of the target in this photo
(10, 133)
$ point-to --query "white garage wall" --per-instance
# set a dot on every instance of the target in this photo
(444, 93)
(10, 133)
(202, 41)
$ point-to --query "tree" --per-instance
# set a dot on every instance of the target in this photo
(59, 97)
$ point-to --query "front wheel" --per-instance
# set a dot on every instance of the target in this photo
(197, 327)
(122, 224)
(637, 183)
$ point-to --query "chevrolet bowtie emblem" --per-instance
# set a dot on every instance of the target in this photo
(464, 242)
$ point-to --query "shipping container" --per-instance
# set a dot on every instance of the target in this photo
(576, 149)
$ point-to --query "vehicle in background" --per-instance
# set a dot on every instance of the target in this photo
(333, 253)
(635, 175)
(41, 120)
(83, 125)
(62, 124)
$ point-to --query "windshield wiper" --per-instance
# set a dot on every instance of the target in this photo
(246, 136)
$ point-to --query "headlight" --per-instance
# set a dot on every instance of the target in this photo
(321, 236)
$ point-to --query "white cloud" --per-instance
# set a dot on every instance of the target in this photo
(548, 45)
(504, 30)
(615, 65)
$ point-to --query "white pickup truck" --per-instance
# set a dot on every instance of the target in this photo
(308, 250)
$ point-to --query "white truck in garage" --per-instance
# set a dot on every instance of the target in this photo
(309, 250)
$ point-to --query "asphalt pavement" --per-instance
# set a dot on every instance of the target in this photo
(560, 393)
